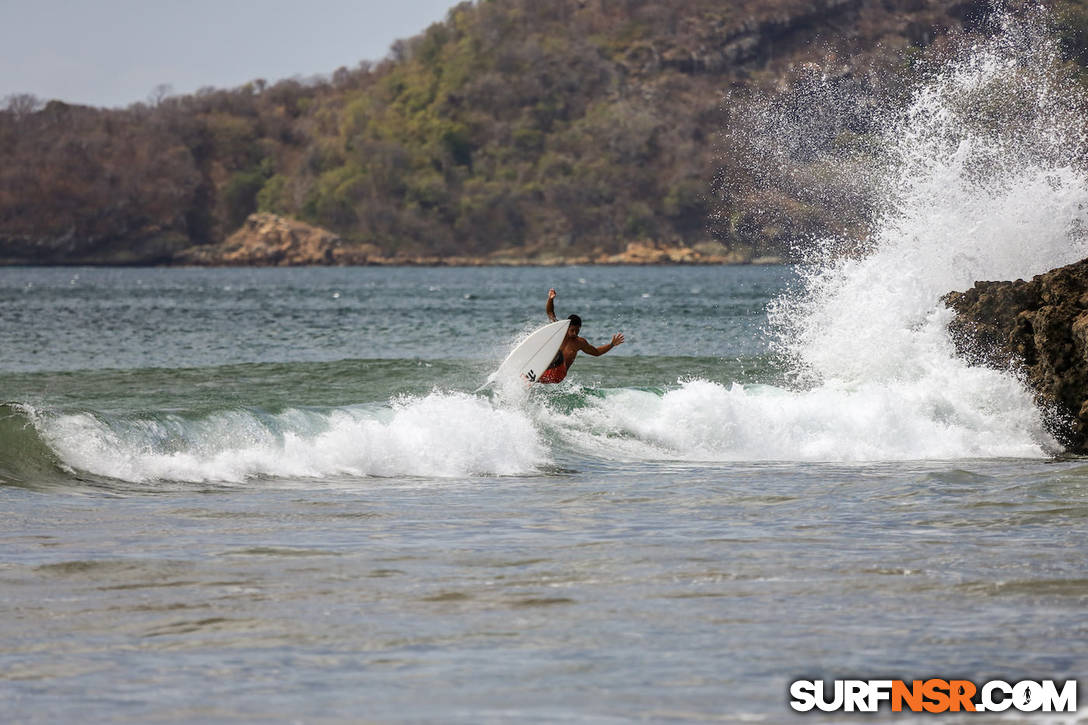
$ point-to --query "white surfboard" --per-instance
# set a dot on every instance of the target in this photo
(532, 356)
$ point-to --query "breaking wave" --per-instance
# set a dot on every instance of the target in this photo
(437, 435)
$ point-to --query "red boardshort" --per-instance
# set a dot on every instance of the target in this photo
(554, 375)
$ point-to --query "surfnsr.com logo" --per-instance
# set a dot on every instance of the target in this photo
(933, 695)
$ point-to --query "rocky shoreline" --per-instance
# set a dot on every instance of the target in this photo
(1039, 327)
(268, 240)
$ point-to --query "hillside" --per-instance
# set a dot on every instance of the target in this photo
(536, 130)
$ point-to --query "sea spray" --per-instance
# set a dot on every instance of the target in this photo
(984, 183)
(978, 178)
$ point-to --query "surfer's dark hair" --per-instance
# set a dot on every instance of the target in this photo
(575, 321)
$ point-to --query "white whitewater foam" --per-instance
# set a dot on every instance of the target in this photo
(438, 435)
(706, 421)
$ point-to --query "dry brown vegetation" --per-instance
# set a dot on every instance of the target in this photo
(559, 127)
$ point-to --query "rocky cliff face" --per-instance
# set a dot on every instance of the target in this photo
(1041, 327)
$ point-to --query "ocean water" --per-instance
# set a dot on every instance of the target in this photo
(248, 495)
(272, 494)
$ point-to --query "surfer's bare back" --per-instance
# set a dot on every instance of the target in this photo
(572, 345)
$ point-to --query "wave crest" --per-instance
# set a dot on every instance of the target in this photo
(438, 435)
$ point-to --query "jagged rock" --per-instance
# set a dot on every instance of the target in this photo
(1041, 327)
(271, 240)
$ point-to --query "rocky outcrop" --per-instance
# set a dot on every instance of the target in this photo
(268, 240)
(1041, 327)
(703, 253)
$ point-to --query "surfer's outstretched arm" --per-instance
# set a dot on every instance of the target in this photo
(550, 307)
(588, 349)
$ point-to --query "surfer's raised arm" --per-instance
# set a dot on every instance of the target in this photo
(588, 349)
(550, 307)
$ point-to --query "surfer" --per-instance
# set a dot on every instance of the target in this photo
(571, 346)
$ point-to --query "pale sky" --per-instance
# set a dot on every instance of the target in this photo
(115, 52)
